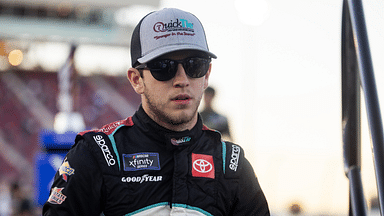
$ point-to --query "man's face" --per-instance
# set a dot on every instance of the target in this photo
(173, 104)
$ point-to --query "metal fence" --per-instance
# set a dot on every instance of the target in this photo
(357, 71)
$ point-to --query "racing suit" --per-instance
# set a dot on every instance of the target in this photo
(136, 167)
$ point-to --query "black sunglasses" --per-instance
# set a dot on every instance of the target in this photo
(165, 69)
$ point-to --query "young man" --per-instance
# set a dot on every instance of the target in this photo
(162, 160)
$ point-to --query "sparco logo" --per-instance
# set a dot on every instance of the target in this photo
(177, 25)
(107, 154)
(234, 157)
(141, 179)
(202, 166)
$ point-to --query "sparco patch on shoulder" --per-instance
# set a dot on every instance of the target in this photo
(141, 161)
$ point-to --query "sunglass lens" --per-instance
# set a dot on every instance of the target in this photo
(162, 70)
(196, 67)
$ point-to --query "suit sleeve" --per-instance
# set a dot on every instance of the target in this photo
(77, 186)
(250, 199)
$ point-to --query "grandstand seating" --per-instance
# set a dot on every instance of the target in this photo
(21, 129)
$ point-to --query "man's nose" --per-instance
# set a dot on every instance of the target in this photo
(181, 78)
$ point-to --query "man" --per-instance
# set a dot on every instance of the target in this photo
(211, 118)
(162, 160)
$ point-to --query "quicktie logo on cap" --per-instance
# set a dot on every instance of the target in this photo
(177, 25)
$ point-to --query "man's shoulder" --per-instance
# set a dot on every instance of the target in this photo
(102, 145)
(111, 127)
(234, 159)
(101, 136)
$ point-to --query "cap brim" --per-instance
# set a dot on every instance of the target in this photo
(168, 49)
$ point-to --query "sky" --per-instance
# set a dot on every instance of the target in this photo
(278, 80)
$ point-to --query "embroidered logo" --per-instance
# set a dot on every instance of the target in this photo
(66, 170)
(57, 197)
(173, 25)
(104, 148)
(141, 179)
(181, 140)
(203, 166)
(234, 162)
(141, 161)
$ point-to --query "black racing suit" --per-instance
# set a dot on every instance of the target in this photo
(136, 167)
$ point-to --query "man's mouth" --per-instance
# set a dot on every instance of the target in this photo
(182, 99)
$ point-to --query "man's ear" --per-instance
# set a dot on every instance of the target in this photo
(136, 80)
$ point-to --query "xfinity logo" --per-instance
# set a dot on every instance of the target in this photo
(141, 161)
(173, 25)
(138, 163)
(107, 154)
(234, 158)
(141, 179)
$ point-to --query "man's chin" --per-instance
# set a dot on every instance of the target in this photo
(179, 118)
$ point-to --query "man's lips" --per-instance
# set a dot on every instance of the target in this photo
(182, 99)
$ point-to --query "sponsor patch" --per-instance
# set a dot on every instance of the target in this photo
(203, 166)
(57, 197)
(234, 162)
(141, 179)
(104, 148)
(141, 161)
(66, 170)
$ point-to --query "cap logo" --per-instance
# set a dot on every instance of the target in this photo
(177, 25)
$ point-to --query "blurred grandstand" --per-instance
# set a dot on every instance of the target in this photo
(36, 37)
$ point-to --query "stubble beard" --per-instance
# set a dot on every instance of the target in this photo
(162, 117)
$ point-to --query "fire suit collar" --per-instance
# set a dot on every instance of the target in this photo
(170, 138)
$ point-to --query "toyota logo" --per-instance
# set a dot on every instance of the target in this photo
(202, 166)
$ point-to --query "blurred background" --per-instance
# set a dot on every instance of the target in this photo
(277, 80)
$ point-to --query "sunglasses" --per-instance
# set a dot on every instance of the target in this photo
(165, 69)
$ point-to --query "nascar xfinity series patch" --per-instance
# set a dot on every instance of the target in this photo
(141, 161)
